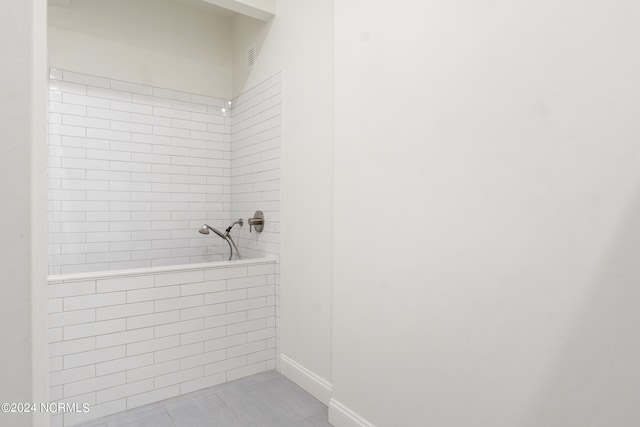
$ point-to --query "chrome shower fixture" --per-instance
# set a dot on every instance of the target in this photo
(257, 222)
(228, 230)
(226, 236)
(205, 230)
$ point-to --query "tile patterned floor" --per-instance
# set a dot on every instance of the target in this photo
(264, 400)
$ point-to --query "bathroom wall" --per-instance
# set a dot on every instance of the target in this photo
(256, 129)
(23, 322)
(507, 142)
(255, 165)
(298, 42)
(183, 45)
(134, 171)
(119, 340)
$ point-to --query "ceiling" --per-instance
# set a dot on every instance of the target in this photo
(200, 4)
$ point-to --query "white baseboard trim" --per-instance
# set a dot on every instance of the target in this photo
(341, 416)
(321, 389)
(316, 386)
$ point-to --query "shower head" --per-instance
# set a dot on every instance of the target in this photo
(205, 230)
(226, 237)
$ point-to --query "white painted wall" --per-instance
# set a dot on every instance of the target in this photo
(298, 42)
(23, 151)
(163, 43)
(487, 213)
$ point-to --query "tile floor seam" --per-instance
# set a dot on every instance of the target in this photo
(227, 406)
(169, 414)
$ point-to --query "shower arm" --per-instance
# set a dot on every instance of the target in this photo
(228, 230)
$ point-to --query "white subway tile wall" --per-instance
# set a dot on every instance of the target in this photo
(256, 130)
(134, 171)
(255, 165)
(127, 339)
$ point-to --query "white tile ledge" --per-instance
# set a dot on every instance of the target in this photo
(154, 270)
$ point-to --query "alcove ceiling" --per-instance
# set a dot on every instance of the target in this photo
(263, 10)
